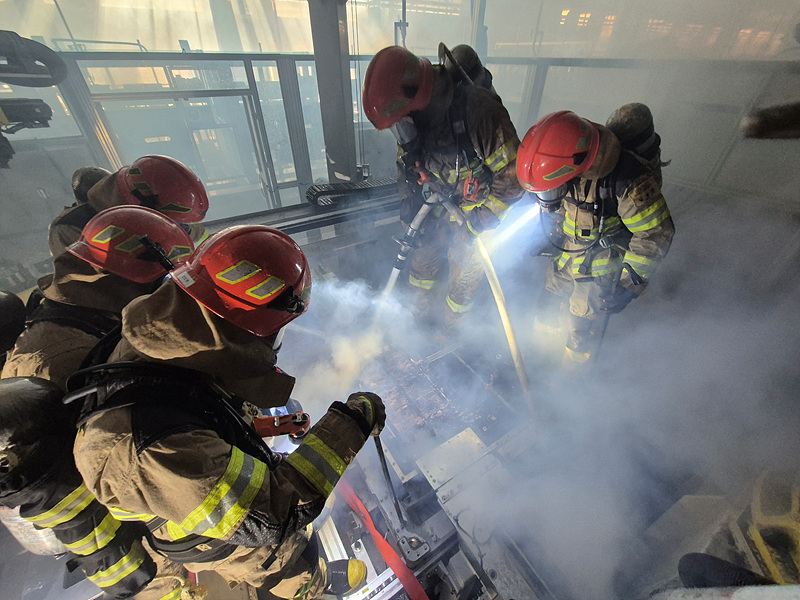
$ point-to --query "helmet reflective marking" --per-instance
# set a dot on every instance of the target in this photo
(238, 272)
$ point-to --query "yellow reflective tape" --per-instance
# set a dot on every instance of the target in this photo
(179, 251)
(561, 172)
(640, 260)
(328, 455)
(174, 208)
(458, 308)
(132, 244)
(98, 538)
(310, 472)
(242, 505)
(502, 156)
(425, 284)
(269, 287)
(124, 515)
(471, 230)
(305, 588)
(66, 509)
(218, 492)
(497, 206)
(175, 531)
(173, 595)
(226, 504)
(763, 550)
(650, 217)
(120, 569)
(575, 357)
(108, 234)
(242, 270)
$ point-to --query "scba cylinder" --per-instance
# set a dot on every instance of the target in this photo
(37, 541)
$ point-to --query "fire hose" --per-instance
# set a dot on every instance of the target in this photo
(499, 298)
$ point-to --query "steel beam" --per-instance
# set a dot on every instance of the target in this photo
(332, 56)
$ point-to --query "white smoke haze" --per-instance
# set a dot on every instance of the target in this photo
(695, 384)
(348, 337)
(696, 378)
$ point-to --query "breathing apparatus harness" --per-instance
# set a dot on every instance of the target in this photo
(174, 400)
(408, 139)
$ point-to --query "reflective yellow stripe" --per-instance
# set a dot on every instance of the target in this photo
(173, 595)
(121, 569)
(641, 264)
(569, 226)
(497, 206)
(562, 260)
(502, 156)
(175, 532)
(124, 515)
(66, 509)
(575, 357)
(318, 463)
(599, 266)
(650, 217)
(424, 284)
(458, 308)
(227, 503)
(305, 588)
(471, 230)
(98, 538)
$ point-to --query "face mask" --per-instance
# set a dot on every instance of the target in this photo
(550, 199)
(405, 132)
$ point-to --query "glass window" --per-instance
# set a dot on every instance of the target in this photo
(272, 106)
(210, 135)
(62, 124)
(127, 76)
(312, 116)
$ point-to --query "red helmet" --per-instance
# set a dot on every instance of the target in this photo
(397, 82)
(166, 185)
(134, 242)
(559, 147)
(254, 276)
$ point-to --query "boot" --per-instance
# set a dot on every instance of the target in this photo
(345, 576)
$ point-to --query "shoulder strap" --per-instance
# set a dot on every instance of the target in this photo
(458, 120)
(76, 217)
(88, 320)
(166, 400)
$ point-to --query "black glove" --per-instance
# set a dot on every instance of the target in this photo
(371, 407)
(616, 301)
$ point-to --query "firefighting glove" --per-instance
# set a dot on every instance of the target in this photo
(615, 301)
(370, 408)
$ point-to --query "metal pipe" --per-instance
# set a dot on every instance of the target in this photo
(760, 592)
(385, 469)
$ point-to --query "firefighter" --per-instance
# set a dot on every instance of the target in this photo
(98, 275)
(158, 182)
(616, 224)
(163, 438)
(458, 138)
(38, 475)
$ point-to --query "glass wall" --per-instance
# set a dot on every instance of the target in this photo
(62, 124)
(210, 135)
(177, 25)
